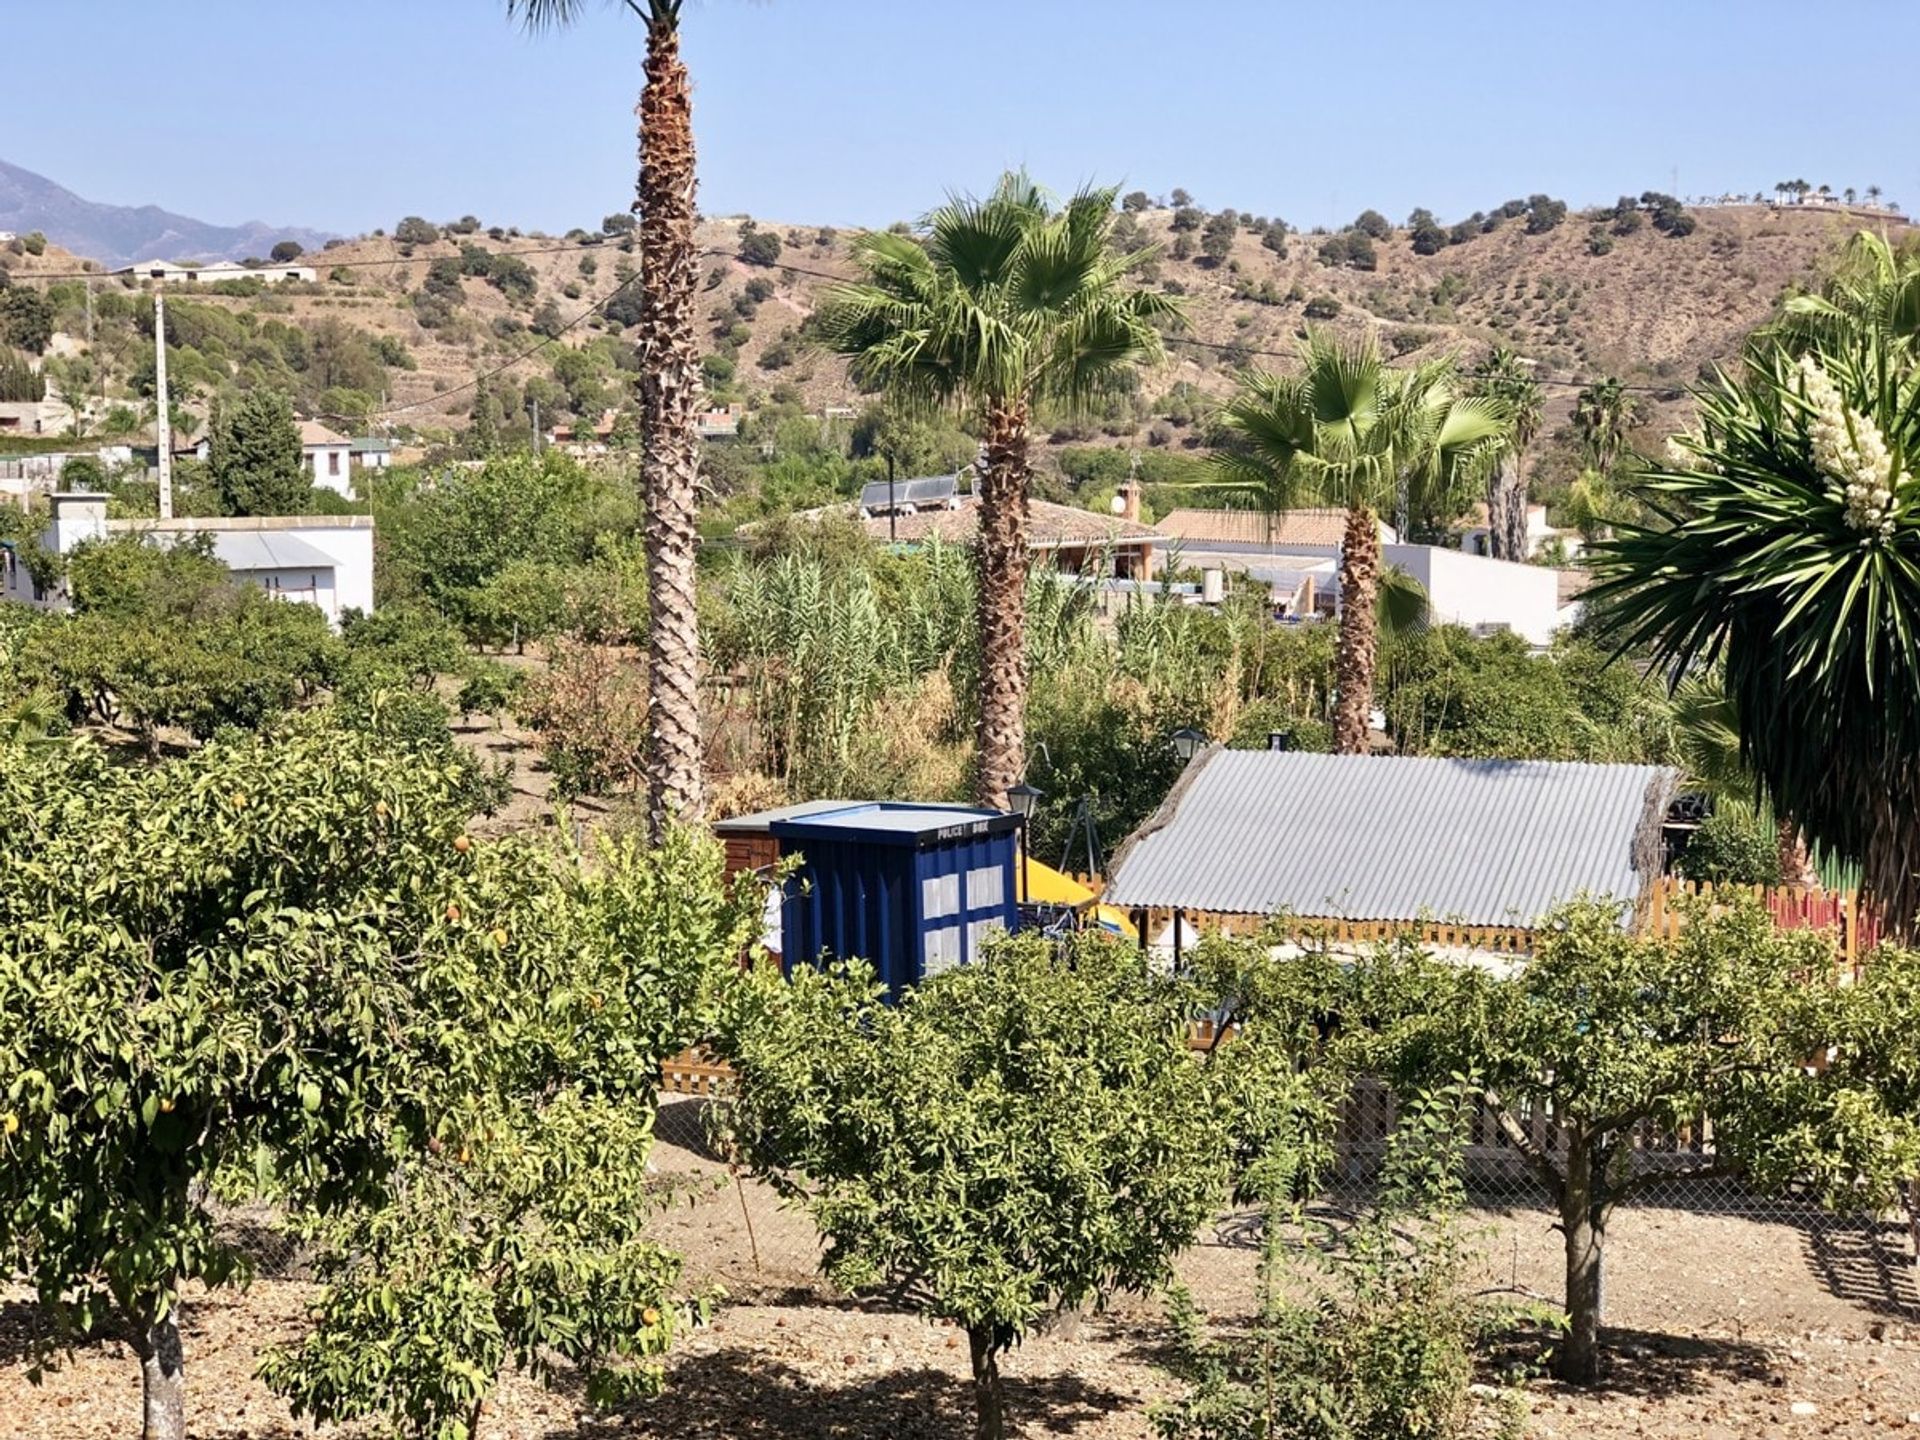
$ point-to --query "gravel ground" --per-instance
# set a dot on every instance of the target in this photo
(1721, 1326)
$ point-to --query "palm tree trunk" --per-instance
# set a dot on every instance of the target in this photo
(1506, 511)
(669, 405)
(1796, 861)
(1357, 648)
(1001, 559)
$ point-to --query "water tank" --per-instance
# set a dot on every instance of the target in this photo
(1213, 586)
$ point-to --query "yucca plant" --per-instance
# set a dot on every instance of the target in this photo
(1784, 546)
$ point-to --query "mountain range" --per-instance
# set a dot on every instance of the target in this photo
(119, 235)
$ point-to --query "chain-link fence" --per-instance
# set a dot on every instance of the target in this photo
(736, 1233)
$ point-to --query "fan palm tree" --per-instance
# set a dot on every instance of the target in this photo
(1507, 378)
(1784, 546)
(1602, 414)
(669, 386)
(1875, 285)
(1008, 303)
(1351, 432)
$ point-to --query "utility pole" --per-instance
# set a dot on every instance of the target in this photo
(534, 401)
(893, 534)
(163, 423)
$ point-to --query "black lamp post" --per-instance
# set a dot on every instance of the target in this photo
(1022, 800)
(1186, 742)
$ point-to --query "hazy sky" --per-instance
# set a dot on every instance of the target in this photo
(348, 115)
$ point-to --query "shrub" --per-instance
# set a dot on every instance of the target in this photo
(1360, 251)
(287, 250)
(1373, 224)
(34, 243)
(1322, 307)
(759, 289)
(1362, 1331)
(588, 714)
(1599, 242)
(760, 247)
(1733, 846)
(1025, 1134)
(415, 231)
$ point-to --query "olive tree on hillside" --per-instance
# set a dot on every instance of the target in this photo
(1019, 1136)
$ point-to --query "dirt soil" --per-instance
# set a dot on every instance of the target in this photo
(1722, 1326)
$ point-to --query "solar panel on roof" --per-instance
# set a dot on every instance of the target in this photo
(927, 492)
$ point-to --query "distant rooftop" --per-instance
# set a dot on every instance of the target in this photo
(1256, 528)
(1050, 526)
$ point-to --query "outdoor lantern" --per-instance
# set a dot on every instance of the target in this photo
(1023, 798)
(1187, 742)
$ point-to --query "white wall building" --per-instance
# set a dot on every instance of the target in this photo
(1540, 536)
(170, 273)
(51, 416)
(321, 560)
(372, 453)
(328, 456)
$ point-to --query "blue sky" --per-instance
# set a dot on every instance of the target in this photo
(348, 115)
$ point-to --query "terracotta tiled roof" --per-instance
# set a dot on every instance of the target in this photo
(1253, 527)
(1050, 526)
(312, 432)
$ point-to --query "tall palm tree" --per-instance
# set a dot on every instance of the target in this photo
(669, 386)
(1706, 732)
(1507, 378)
(1602, 414)
(1784, 545)
(1008, 303)
(1351, 432)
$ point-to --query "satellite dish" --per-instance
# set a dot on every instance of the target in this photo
(1118, 505)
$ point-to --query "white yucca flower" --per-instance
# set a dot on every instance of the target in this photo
(1849, 450)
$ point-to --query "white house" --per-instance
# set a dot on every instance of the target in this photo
(328, 456)
(51, 416)
(169, 272)
(372, 453)
(1540, 536)
(321, 560)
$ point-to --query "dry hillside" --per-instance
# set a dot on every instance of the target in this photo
(1654, 309)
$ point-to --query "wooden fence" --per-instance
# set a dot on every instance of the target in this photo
(1854, 922)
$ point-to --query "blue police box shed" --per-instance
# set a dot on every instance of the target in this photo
(912, 888)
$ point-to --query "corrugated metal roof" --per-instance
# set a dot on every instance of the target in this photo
(249, 550)
(1478, 842)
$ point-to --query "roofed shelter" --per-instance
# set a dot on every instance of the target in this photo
(1478, 849)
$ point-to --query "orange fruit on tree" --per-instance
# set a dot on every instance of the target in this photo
(462, 843)
(650, 1316)
(499, 936)
(453, 912)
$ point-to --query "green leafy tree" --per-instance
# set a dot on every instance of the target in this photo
(1350, 431)
(1009, 303)
(1018, 1136)
(26, 319)
(1777, 544)
(1373, 223)
(415, 231)
(18, 379)
(1604, 1030)
(254, 457)
(760, 247)
(514, 1228)
(116, 1122)
(288, 250)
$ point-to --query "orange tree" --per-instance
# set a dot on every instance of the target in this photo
(1017, 1136)
(281, 965)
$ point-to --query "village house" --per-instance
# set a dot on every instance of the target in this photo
(370, 452)
(173, 273)
(50, 416)
(320, 560)
(1479, 594)
(914, 512)
(1541, 537)
(328, 456)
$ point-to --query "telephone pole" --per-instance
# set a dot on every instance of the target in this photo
(163, 423)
